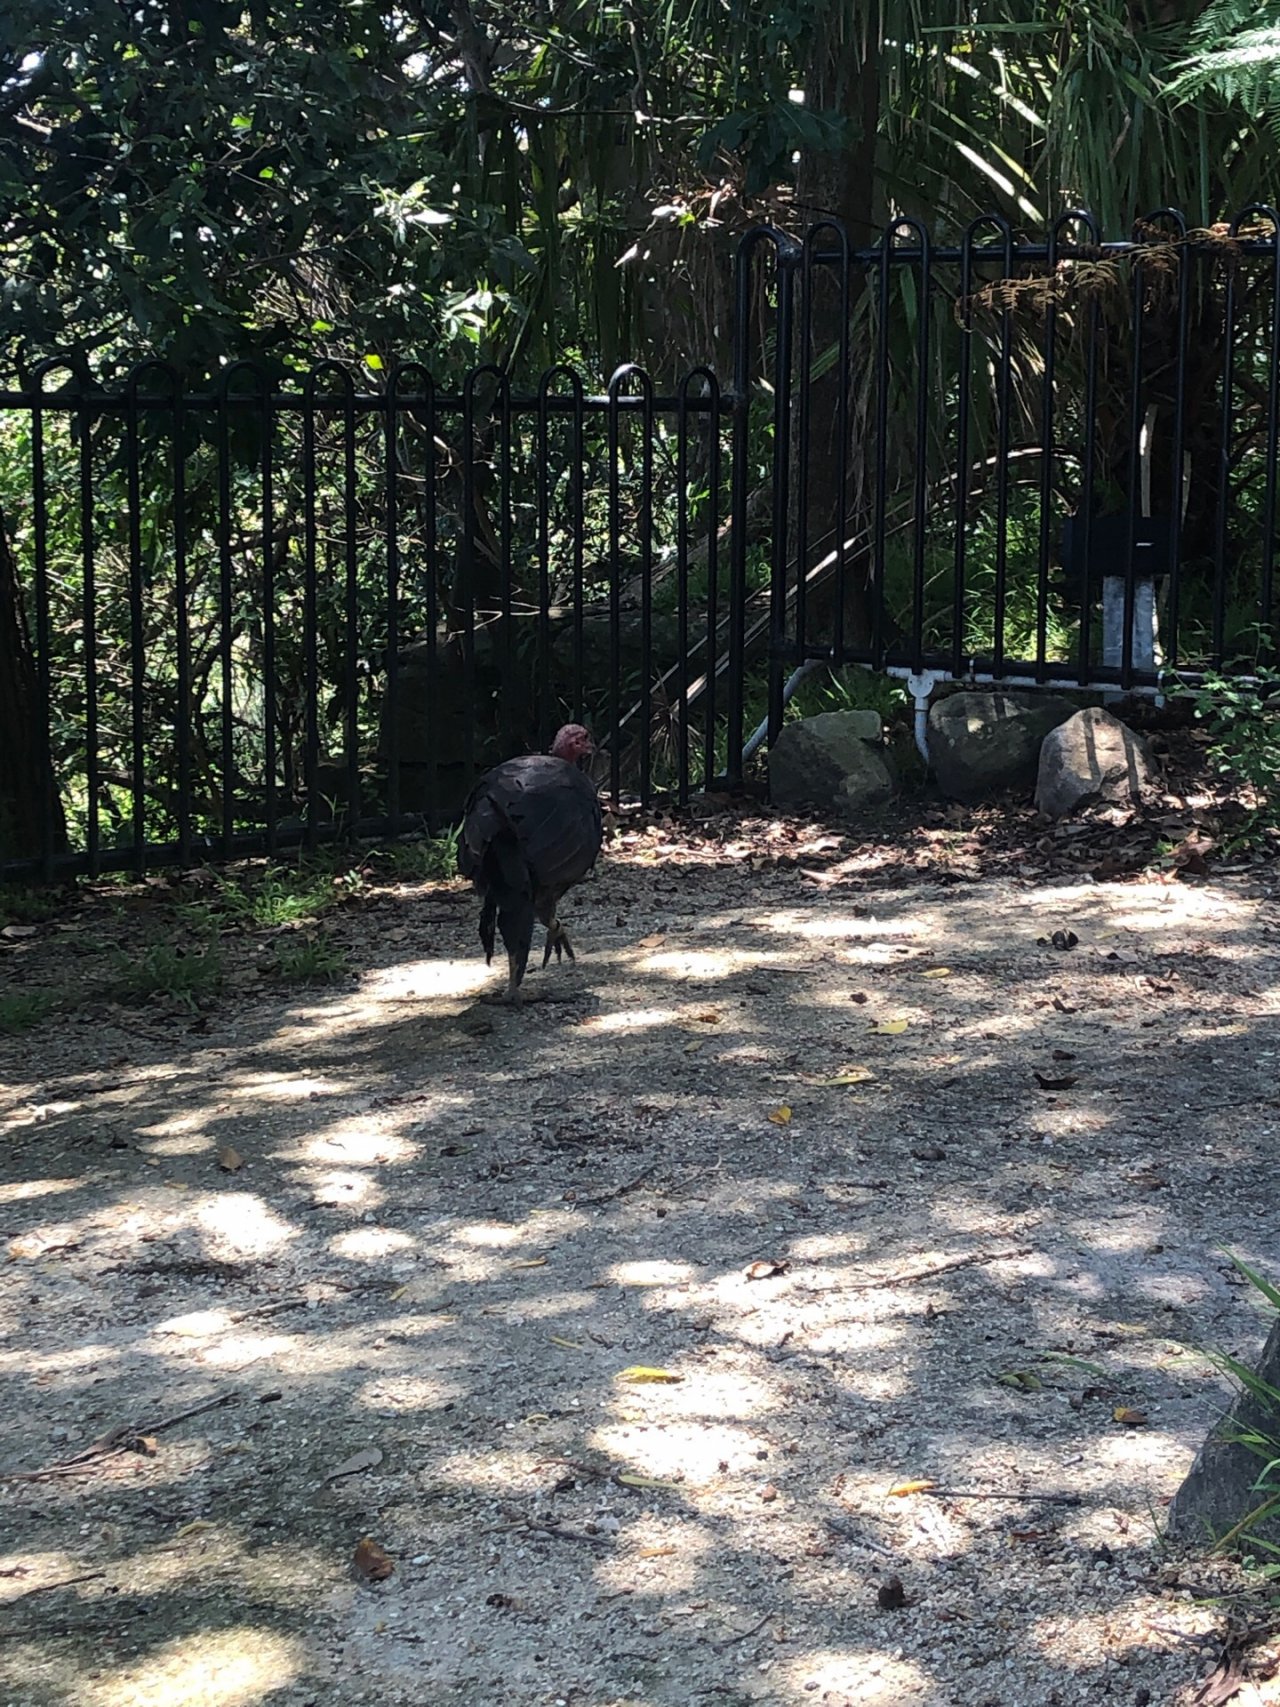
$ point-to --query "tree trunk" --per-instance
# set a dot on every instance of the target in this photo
(28, 798)
(843, 80)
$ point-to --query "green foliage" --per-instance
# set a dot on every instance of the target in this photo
(21, 1009)
(1236, 59)
(27, 906)
(1264, 1440)
(279, 895)
(186, 976)
(434, 859)
(1242, 715)
(309, 960)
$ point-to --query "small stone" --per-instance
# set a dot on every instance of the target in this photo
(1092, 757)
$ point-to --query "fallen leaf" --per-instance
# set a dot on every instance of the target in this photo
(373, 1563)
(654, 1552)
(1064, 1007)
(765, 1269)
(890, 1027)
(229, 1160)
(891, 1595)
(641, 1372)
(781, 1116)
(367, 1459)
(19, 933)
(197, 1526)
(1130, 1417)
(853, 1076)
(1063, 1084)
(708, 1016)
(938, 972)
(692, 1048)
(655, 941)
(569, 1345)
(533, 1262)
(629, 1480)
(900, 1490)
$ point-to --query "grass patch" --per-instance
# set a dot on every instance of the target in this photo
(185, 976)
(21, 1009)
(24, 906)
(433, 859)
(310, 960)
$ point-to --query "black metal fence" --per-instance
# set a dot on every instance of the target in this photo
(255, 616)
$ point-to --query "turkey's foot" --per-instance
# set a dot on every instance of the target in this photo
(558, 939)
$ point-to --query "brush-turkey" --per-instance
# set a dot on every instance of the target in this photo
(531, 829)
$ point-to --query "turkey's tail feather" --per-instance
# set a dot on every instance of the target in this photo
(508, 903)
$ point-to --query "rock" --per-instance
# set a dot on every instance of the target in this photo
(981, 744)
(830, 761)
(1219, 1489)
(1092, 757)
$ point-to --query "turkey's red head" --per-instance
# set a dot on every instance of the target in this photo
(573, 743)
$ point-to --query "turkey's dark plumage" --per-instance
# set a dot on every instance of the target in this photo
(531, 829)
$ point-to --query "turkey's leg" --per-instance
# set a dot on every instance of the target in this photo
(557, 936)
(558, 939)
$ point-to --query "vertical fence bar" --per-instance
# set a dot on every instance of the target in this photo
(137, 635)
(310, 620)
(1004, 392)
(615, 589)
(1224, 464)
(351, 606)
(182, 597)
(959, 605)
(1047, 404)
(711, 627)
(780, 531)
(1136, 430)
(1256, 211)
(705, 377)
(464, 588)
(509, 698)
(1173, 543)
(645, 523)
(89, 629)
(430, 522)
(578, 528)
(226, 680)
(270, 755)
(1090, 466)
(399, 404)
(880, 475)
(840, 440)
(920, 485)
(44, 685)
(786, 254)
(542, 500)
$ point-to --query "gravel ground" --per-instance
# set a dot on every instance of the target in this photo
(875, 1184)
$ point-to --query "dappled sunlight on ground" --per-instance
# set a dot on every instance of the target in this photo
(623, 1321)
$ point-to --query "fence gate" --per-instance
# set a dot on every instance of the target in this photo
(252, 616)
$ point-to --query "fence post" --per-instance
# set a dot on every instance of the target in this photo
(787, 253)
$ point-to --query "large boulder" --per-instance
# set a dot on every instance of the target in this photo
(1219, 1492)
(1092, 757)
(834, 761)
(981, 744)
